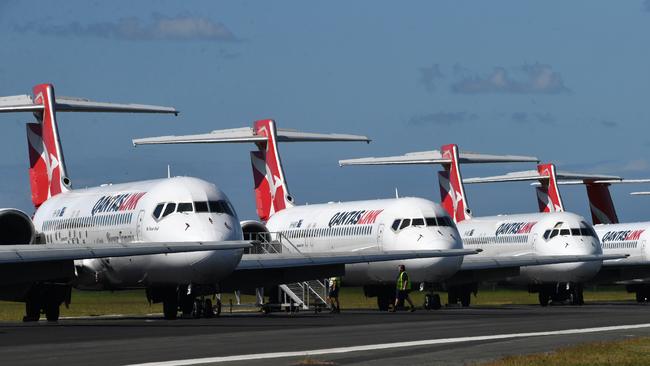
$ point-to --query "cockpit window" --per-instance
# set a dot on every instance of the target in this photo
(431, 221)
(158, 210)
(418, 222)
(395, 225)
(171, 207)
(587, 231)
(201, 206)
(583, 231)
(405, 223)
(221, 207)
(445, 221)
(185, 207)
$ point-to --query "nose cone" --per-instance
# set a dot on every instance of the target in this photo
(206, 267)
(566, 272)
(430, 269)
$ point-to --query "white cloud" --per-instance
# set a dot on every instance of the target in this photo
(531, 79)
(178, 28)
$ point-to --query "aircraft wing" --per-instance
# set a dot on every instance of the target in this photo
(299, 260)
(473, 263)
(12, 254)
(257, 270)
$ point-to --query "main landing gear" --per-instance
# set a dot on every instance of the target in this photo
(642, 292)
(462, 294)
(46, 298)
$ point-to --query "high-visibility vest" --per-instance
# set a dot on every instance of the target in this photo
(401, 279)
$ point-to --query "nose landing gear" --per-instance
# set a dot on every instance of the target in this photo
(559, 293)
(190, 303)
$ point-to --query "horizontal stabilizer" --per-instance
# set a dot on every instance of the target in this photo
(25, 103)
(533, 175)
(478, 262)
(293, 260)
(247, 134)
(436, 157)
(60, 252)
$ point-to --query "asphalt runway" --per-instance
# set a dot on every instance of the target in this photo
(440, 336)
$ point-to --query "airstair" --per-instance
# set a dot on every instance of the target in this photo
(291, 296)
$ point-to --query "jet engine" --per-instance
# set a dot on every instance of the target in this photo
(257, 231)
(16, 227)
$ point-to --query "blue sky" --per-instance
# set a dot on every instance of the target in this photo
(565, 81)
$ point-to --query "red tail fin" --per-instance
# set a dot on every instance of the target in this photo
(601, 204)
(271, 192)
(47, 171)
(452, 191)
(548, 195)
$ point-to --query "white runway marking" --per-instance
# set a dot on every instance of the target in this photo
(382, 346)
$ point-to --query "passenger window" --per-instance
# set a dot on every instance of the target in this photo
(431, 221)
(158, 210)
(201, 206)
(418, 222)
(395, 225)
(405, 223)
(185, 207)
(565, 232)
(171, 207)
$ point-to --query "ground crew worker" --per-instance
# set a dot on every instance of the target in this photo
(333, 294)
(403, 289)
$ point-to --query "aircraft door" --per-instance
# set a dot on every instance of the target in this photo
(642, 245)
(380, 236)
(139, 224)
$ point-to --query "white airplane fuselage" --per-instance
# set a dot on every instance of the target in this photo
(189, 209)
(631, 239)
(512, 235)
(367, 226)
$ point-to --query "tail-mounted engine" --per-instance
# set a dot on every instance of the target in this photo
(16, 227)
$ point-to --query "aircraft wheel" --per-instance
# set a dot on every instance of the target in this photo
(197, 309)
(543, 298)
(32, 311)
(428, 298)
(465, 298)
(52, 310)
(383, 302)
(208, 311)
(170, 308)
(217, 308)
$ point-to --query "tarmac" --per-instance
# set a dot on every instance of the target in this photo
(454, 336)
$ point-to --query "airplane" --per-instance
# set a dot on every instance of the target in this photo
(357, 226)
(505, 238)
(103, 229)
(617, 238)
